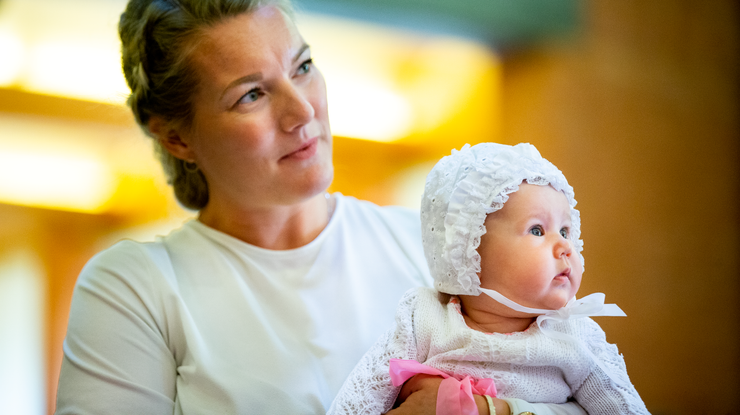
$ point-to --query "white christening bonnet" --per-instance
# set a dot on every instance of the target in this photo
(461, 190)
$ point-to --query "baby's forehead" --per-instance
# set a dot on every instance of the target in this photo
(536, 200)
(543, 193)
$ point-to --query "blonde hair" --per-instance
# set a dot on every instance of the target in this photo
(157, 37)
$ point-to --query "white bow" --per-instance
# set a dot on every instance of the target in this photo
(589, 306)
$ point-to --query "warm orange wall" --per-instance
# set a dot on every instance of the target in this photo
(641, 114)
(369, 170)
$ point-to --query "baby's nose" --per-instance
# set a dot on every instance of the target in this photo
(564, 249)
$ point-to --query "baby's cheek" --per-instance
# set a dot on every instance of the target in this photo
(576, 274)
(578, 264)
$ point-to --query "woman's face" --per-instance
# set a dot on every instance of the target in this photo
(260, 130)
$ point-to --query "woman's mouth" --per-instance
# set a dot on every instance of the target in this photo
(306, 151)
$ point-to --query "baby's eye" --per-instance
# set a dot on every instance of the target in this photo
(250, 96)
(564, 233)
(537, 230)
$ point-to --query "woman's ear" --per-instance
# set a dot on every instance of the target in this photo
(169, 137)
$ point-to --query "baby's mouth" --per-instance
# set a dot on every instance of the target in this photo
(565, 275)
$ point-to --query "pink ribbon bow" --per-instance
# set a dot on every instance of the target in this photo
(454, 397)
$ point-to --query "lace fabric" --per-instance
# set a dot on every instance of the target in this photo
(461, 190)
(525, 365)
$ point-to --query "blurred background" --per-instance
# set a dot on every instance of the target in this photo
(637, 103)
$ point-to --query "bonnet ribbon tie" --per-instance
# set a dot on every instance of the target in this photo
(591, 305)
(454, 396)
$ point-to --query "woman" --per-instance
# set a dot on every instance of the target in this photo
(266, 302)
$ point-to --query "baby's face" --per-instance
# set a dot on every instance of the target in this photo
(527, 254)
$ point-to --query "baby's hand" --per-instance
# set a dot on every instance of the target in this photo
(418, 396)
(417, 383)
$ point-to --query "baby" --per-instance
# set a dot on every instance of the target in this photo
(500, 221)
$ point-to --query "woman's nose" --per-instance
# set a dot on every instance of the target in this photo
(295, 110)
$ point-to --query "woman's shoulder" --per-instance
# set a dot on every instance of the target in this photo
(127, 262)
(137, 265)
(123, 254)
(129, 252)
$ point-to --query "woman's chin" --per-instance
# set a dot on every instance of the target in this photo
(313, 183)
(322, 179)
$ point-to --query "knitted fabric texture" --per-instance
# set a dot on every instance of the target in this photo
(461, 190)
(526, 365)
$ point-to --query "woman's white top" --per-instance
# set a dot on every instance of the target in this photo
(526, 365)
(202, 323)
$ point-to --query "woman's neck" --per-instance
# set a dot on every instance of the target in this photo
(488, 316)
(270, 227)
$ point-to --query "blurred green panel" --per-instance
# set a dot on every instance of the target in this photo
(500, 23)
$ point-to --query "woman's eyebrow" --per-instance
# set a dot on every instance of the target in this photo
(300, 52)
(243, 80)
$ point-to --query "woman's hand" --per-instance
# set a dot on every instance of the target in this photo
(419, 396)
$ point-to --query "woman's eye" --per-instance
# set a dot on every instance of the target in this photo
(305, 67)
(250, 96)
(537, 231)
(564, 233)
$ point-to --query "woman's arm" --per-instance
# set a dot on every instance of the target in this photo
(116, 358)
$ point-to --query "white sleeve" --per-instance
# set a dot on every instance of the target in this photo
(600, 394)
(518, 406)
(116, 357)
